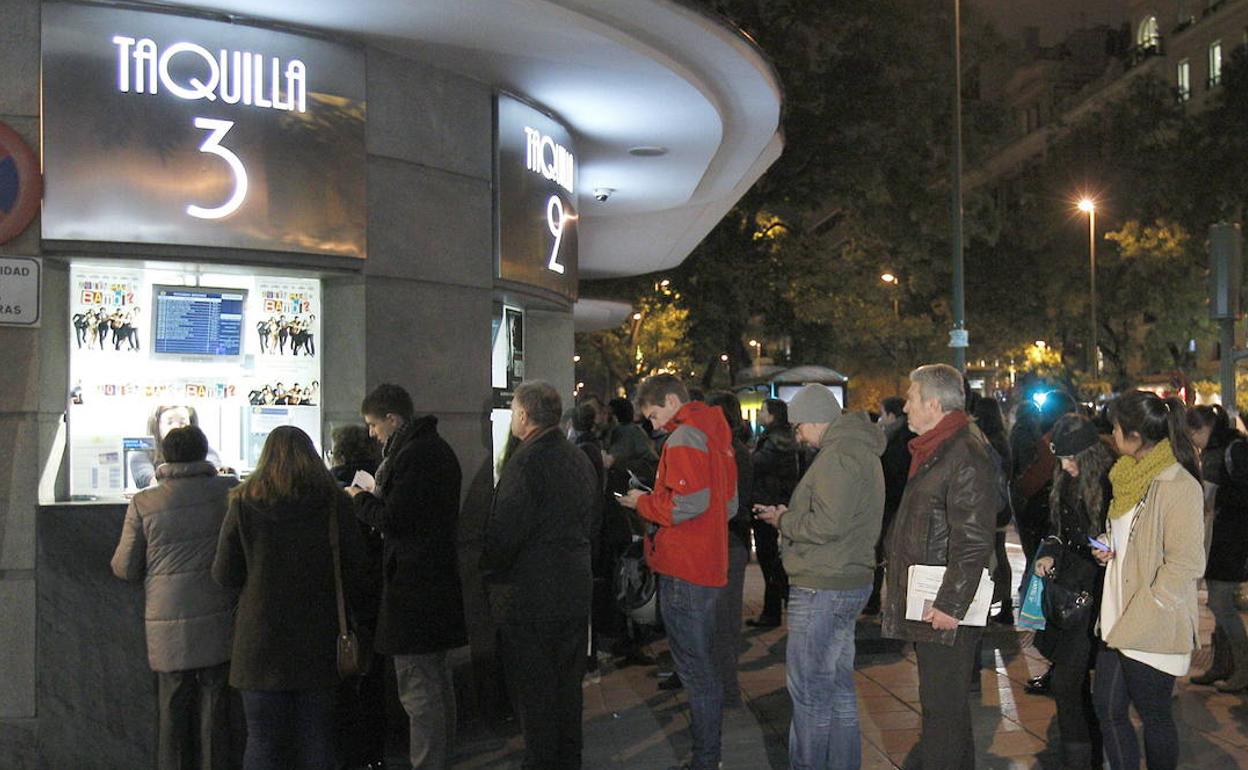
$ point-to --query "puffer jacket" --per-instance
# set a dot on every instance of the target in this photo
(1161, 566)
(168, 541)
(829, 531)
(947, 517)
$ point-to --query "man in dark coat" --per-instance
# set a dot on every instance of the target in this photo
(536, 564)
(947, 517)
(415, 506)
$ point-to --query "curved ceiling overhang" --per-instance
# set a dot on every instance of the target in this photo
(621, 75)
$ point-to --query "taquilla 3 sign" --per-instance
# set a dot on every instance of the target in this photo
(161, 128)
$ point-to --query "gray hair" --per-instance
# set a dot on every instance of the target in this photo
(540, 401)
(943, 383)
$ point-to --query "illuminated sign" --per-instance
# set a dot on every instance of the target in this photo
(165, 129)
(537, 238)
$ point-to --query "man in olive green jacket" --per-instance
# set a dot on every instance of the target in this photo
(828, 533)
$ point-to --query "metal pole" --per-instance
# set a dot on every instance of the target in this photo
(959, 289)
(1227, 365)
(1094, 365)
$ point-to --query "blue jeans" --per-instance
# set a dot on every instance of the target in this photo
(1121, 683)
(819, 670)
(689, 617)
(289, 729)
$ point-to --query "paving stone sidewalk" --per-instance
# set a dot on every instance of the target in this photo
(631, 724)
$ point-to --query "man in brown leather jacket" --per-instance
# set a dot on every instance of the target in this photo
(947, 516)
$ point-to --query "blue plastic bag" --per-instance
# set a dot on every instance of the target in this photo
(1032, 614)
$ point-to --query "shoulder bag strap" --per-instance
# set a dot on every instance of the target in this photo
(333, 545)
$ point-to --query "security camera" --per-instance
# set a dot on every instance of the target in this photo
(602, 193)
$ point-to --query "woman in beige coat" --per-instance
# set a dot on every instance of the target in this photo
(1153, 551)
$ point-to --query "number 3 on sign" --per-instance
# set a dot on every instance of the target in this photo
(554, 220)
(212, 145)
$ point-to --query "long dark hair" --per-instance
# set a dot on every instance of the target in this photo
(289, 470)
(1215, 417)
(1153, 419)
(779, 411)
(1089, 487)
(731, 407)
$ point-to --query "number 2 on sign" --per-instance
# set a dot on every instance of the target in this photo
(212, 145)
(554, 220)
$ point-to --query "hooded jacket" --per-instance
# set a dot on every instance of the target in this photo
(694, 493)
(168, 541)
(829, 531)
(777, 463)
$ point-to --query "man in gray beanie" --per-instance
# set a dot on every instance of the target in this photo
(827, 534)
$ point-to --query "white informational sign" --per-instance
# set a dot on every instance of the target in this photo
(250, 363)
(959, 338)
(20, 279)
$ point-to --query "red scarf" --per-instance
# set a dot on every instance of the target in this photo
(926, 445)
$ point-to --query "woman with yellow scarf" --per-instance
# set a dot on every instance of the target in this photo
(1153, 551)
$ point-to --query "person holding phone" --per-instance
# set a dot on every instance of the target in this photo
(1148, 617)
(1077, 505)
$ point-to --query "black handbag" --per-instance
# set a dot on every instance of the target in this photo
(1066, 603)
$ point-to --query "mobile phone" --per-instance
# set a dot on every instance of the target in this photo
(617, 494)
(1098, 545)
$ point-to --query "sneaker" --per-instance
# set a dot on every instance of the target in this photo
(671, 682)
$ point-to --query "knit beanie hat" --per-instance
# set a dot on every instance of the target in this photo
(814, 403)
(1072, 434)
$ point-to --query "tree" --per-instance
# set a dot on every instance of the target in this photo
(655, 339)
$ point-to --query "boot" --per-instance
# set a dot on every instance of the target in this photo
(1221, 667)
(1238, 679)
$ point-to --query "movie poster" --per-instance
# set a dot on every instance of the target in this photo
(107, 311)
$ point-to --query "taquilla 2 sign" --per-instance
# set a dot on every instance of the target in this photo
(536, 169)
(159, 128)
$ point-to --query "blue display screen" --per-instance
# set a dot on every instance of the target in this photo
(198, 322)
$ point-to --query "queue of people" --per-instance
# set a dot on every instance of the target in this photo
(260, 583)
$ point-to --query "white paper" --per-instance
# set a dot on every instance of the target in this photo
(923, 584)
(364, 480)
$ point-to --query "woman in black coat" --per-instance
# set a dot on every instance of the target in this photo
(275, 547)
(1224, 465)
(1077, 503)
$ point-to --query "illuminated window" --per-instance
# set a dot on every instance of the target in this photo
(1185, 80)
(1215, 63)
(1148, 36)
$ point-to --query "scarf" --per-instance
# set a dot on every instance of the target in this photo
(923, 447)
(1130, 477)
(391, 448)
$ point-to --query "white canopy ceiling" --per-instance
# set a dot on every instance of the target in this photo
(622, 74)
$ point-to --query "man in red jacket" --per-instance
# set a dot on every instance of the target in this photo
(695, 489)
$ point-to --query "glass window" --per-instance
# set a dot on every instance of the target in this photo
(1148, 35)
(1215, 63)
(1185, 80)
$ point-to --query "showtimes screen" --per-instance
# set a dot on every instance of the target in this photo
(166, 129)
(198, 322)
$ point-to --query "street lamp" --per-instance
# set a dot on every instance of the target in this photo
(1088, 206)
(895, 282)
